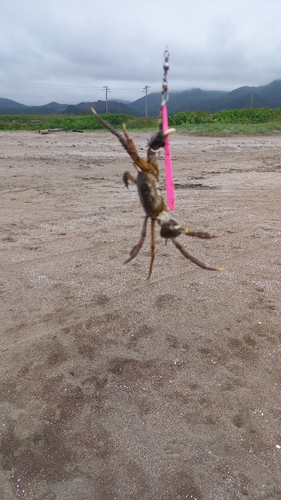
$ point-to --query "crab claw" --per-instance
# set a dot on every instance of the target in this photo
(169, 131)
(157, 141)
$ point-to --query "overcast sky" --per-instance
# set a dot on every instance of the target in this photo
(68, 50)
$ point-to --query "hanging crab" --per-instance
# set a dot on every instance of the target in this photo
(151, 196)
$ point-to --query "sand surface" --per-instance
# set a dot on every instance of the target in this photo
(115, 387)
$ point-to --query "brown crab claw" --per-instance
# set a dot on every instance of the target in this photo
(157, 141)
(169, 132)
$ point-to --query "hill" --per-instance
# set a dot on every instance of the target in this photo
(9, 107)
(113, 107)
(263, 96)
(9, 104)
(194, 99)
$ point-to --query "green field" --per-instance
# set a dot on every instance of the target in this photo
(237, 121)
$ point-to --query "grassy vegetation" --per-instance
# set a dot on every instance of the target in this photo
(238, 121)
(231, 122)
(222, 129)
(67, 122)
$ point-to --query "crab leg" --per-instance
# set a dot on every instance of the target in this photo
(126, 177)
(193, 259)
(111, 129)
(152, 246)
(134, 252)
(201, 234)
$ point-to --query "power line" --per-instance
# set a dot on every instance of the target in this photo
(62, 86)
(9, 82)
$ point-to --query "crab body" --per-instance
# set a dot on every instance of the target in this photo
(150, 194)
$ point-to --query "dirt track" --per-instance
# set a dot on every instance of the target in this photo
(115, 387)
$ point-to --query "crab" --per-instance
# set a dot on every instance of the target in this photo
(151, 197)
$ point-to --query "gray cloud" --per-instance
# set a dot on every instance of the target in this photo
(68, 50)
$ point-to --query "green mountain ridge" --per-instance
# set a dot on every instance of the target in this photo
(263, 96)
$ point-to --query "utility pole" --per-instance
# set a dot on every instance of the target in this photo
(106, 88)
(145, 89)
(252, 99)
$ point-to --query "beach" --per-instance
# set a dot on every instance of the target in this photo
(118, 387)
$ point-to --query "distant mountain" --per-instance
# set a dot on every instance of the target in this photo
(193, 99)
(9, 107)
(124, 101)
(52, 107)
(113, 107)
(6, 104)
(264, 96)
(75, 110)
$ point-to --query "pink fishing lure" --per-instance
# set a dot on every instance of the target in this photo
(170, 192)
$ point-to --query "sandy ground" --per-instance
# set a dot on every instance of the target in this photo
(115, 387)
